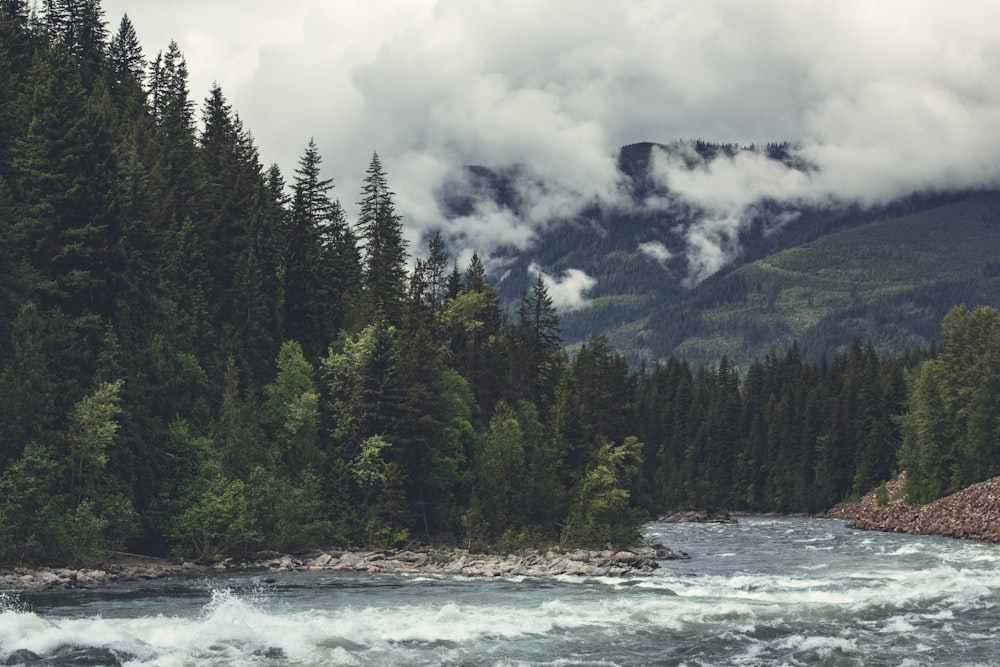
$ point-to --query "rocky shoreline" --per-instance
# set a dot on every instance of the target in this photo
(694, 516)
(971, 514)
(624, 562)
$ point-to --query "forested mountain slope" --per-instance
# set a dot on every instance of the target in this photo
(819, 274)
(891, 281)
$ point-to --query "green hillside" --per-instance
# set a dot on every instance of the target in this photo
(891, 280)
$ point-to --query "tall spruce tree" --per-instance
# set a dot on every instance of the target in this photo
(64, 181)
(381, 236)
(535, 342)
(307, 303)
(229, 192)
(79, 26)
(175, 175)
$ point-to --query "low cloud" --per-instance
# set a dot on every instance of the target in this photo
(568, 292)
(883, 98)
(656, 251)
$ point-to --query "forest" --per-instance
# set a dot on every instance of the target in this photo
(200, 358)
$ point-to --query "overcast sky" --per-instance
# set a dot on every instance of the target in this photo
(884, 96)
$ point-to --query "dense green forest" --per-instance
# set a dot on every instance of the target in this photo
(200, 358)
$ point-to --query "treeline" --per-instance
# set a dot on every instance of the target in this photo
(787, 436)
(199, 358)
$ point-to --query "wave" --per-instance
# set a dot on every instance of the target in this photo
(864, 602)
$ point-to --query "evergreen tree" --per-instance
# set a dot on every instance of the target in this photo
(64, 180)
(950, 432)
(381, 236)
(535, 341)
(174, 176)
(437, 261)
(128, 65)
(228, 195)
(475, 275)
(472, 326)
(15, 61)
(310, 300)
(78, 25)
(258, 277)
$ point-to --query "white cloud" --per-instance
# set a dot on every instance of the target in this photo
(884, 97)
(568, 292)
(656, 251)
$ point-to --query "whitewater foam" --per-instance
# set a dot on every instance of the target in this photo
(873, 599)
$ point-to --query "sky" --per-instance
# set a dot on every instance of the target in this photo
(883, 98)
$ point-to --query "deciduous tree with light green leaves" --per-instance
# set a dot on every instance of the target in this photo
(951, 433)
(601, 512)
(292, 411)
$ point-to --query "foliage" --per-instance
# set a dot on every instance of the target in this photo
(601, 512)
(218, 521)
(952, 429)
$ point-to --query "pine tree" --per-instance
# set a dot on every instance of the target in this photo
(309, 298)
(125, 53)
(534, 342)
(229, 192)
(15, 59)
(174, 177)
(472, 325)
(79, 26)
(475, 275)
(258, 277)
(64, 180)
(381, 236)
(437, 261)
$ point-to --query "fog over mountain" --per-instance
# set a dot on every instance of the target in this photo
(879, 99)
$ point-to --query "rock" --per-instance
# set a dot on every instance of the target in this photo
(48, 578)
(973, 513)
(692, 516)
(322, 560)
(660, 552)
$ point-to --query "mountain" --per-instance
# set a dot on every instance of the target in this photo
(818, 274)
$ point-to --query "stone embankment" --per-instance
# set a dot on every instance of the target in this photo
(972, 514)
(601, 563)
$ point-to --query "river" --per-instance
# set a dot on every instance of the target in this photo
(774, 591)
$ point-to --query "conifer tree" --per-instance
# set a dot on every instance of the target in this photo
(125, 53)
(174, 176)
(534, 341)
(14, 61)
(381, 237)
(308, 296)
(472, 325)
(259, 276)
(437, 261)
(228, 194)
(64, 179)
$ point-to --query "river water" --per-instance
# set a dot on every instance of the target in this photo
(774, 591)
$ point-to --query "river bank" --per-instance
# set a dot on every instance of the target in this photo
(456, 562)
(972, 514)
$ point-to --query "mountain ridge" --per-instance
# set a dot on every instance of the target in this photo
(755, 302)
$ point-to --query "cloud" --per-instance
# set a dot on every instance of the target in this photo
(883, 98)
(656, 251)
(568, 292)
